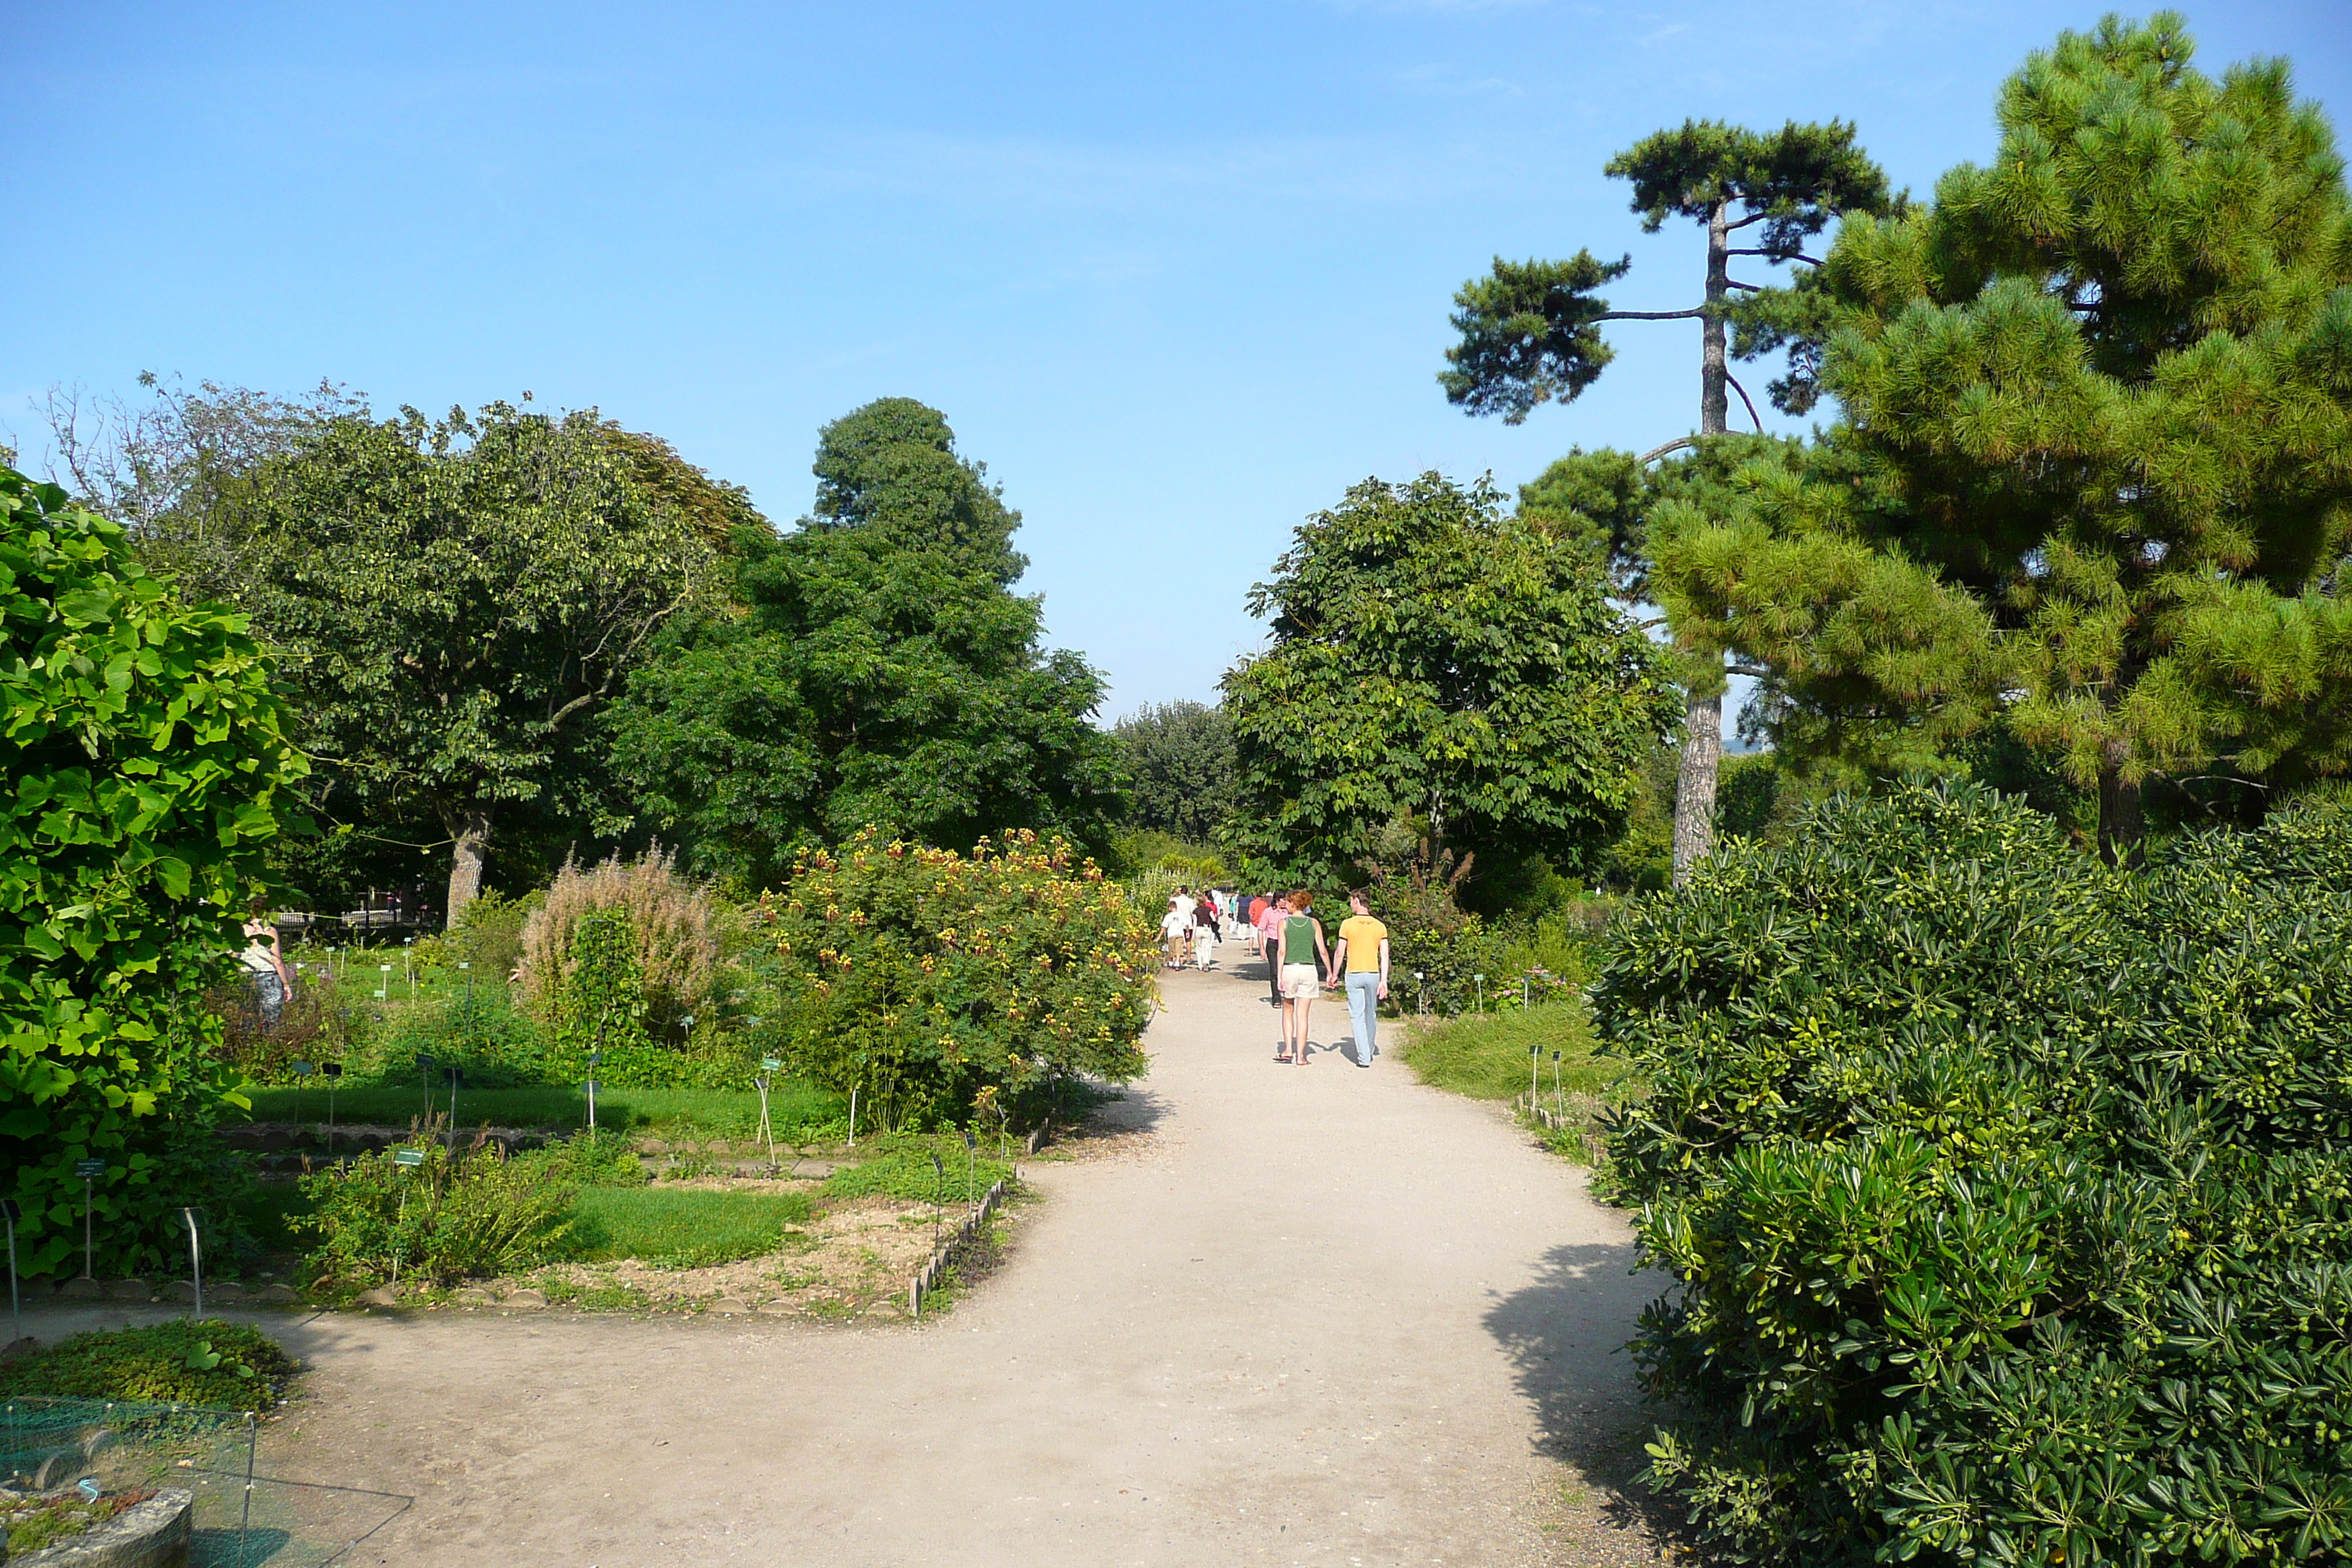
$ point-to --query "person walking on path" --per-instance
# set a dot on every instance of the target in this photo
(1363, 960)
(1171, 931)
(1205, 933)
(1301, 959)
(1270, 914)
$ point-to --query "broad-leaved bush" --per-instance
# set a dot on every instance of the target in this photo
(2007, 1198)
(146, 770)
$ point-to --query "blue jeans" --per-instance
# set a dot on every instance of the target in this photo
(1364, 1010)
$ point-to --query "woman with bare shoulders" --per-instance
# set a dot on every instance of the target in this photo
(1299, 958)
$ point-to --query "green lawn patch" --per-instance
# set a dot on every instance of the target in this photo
(1485, 1054)
(206, 1362)
(899, 1166)
(682, 1112)
(681, 1228)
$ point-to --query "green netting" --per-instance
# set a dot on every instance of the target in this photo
(243, 1516)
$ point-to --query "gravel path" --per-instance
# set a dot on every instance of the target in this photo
(1317, 1316)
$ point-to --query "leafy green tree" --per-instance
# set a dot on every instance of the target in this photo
(1530, 331)
(452, 600)
(1437, 660)
(147, 769)
(880, 671)
(1180, 767)
(2091, 489)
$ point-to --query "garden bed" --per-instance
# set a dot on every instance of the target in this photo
(849, 1259)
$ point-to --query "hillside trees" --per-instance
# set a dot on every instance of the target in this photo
(453, 599)
(880, 671)
(147, 768)
(1438, 662)
(2093, 488)
(1530, 331)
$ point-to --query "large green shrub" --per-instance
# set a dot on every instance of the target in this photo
(145, 767)
(921, 976)
(2008, 1197)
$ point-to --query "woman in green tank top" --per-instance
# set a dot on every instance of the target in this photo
(1300, 958)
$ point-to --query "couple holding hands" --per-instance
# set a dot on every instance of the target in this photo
(1303, 965)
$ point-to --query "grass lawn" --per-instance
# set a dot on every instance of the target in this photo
(706, 1112)
(685, 1228)
(1485, 1056)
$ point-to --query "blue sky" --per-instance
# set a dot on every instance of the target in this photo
(1177, 274)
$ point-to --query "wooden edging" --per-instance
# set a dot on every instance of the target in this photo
(928, 1280)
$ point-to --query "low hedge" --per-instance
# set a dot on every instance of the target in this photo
(2008, 1197)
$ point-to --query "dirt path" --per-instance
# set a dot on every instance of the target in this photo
(1319, 1316)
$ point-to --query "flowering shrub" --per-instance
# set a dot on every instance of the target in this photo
(921, 977)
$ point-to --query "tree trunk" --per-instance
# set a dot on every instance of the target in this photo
(1703, 732)
(2123, 836)
(1695, 785)
(470, 827)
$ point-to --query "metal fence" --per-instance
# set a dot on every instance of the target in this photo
(243, 1516)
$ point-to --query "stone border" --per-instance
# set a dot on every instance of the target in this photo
(927, 1281)
(151, 1534)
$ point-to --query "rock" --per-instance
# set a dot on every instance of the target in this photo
(731, 1306)
(473, 1295)
(529, 1300)
(813, 1170)
(718, 1146)
(179, 1290)
(130, 1288)
(775, 1309)
(652, 1146)
(278, 1296)
(81, 1290)
(381, 1296)
(227, 1293)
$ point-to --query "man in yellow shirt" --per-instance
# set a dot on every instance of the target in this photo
(1363, 958)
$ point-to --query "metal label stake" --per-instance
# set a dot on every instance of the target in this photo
(89, 1171)
(9, 1210)
(195, 1262)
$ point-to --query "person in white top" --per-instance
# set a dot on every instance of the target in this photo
(1174, 927)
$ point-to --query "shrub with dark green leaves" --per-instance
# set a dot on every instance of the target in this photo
(2008, 1197)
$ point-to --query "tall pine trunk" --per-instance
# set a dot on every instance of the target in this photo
(469, 826)
(1703, 722)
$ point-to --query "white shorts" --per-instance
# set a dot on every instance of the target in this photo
(1300, 983)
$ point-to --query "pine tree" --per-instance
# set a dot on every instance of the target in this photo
(2094, 483)
(1530, 333)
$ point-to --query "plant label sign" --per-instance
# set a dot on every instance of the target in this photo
(90, 1169)
(407, 1158)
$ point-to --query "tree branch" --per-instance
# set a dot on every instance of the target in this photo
(1779, 255)
(1736, 283)
(1649, 315)
(1747, 400)
(1676, 444)
(1757, 670)
(1743, 223)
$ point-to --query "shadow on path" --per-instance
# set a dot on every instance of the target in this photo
(1567, 1337)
